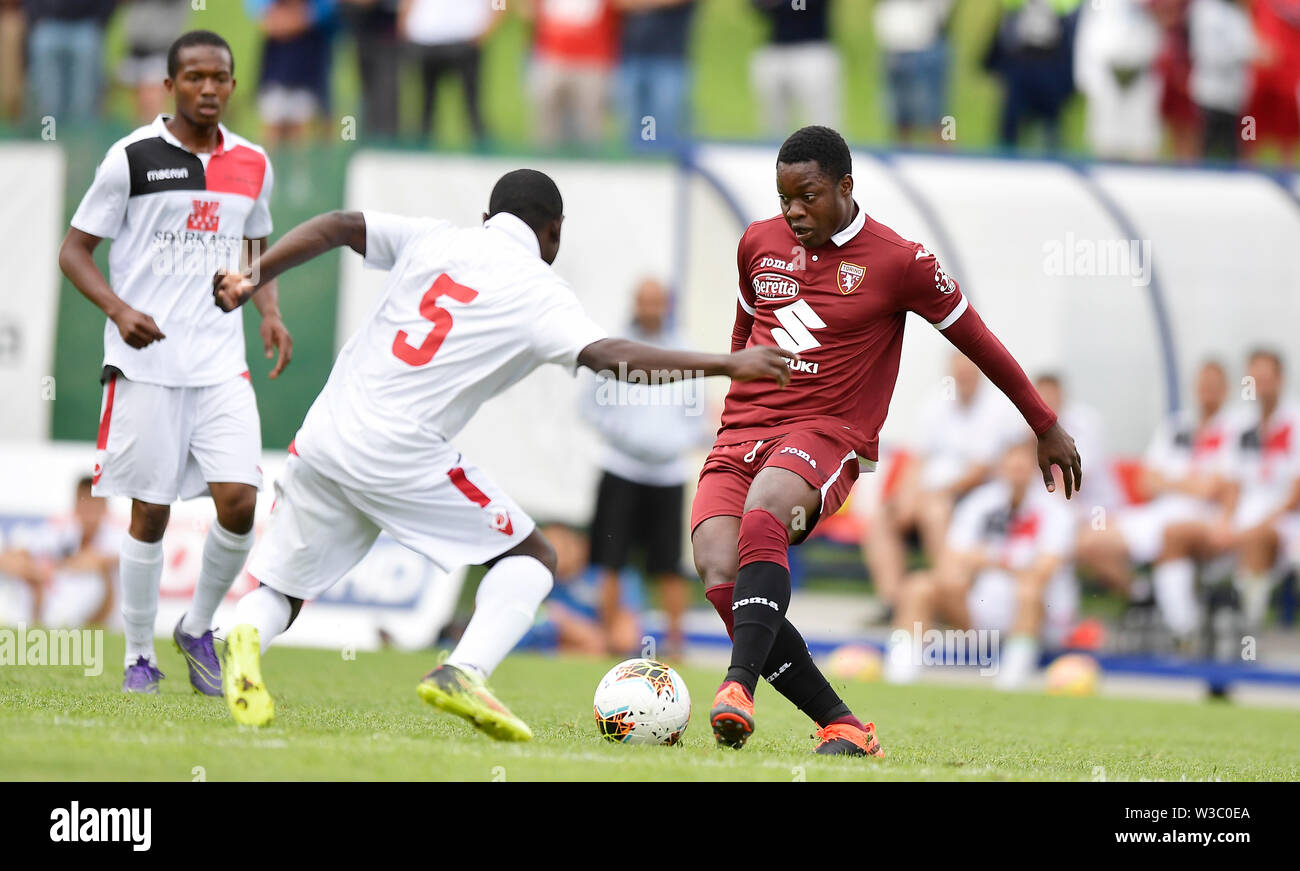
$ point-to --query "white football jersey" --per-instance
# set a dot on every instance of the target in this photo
(464, 314)
(1041, 525)
(1265, 460)
(1182, 447)
(956, 436)
(175, 217)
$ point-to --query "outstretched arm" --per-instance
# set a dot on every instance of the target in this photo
(624, 358)
(304, 242)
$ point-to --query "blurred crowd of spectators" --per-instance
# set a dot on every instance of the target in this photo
(1202, 530)
(1210, 78)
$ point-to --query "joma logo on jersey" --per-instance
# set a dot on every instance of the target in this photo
(204, 218)
(165, 174)
(774, 263)
(770, 286)
(804, 366)
(850, 276)
(803, 455)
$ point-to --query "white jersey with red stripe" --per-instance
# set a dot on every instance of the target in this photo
(1264, 459)
(464, 314)
(1184, 447)
(1013, 535)
(175, 218)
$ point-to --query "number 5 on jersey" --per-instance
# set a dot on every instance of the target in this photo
(798, 320)
(418, 355)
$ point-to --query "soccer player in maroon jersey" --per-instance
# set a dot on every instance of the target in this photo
(830, 284)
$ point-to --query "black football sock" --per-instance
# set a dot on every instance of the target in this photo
(761, 595)
(791, 672)
(758, 605)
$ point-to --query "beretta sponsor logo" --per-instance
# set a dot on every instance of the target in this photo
(771, 286)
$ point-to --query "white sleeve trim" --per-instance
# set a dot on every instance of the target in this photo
(749, 309)
(952, 317)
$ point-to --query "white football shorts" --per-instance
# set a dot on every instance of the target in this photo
(160, 444)
(1143, 526)
(320, 529)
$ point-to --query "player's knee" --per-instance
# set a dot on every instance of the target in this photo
(149, 521)
(235, 509)
(715, 575)
(539, 548)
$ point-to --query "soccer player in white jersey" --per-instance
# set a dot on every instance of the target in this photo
(1265, 463)
(179, 197)
(465, 313)
(1005, 567)
(1184, 473)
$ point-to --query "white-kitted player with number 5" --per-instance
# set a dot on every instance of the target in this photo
(464, 314)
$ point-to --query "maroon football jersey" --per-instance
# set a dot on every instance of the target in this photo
(842, 308)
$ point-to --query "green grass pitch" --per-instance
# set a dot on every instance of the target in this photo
(340, 719)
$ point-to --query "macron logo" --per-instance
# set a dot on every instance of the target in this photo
(755, 600)
(165, 174)
(98, 825)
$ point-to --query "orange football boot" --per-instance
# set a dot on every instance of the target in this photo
(732, 716)
(842, 739)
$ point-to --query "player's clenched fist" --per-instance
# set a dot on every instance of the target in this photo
(231, 290)
(137, 328)
(761, 361)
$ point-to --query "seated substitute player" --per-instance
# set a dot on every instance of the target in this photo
(179, 198)
(833, 285)
(68, 564)
(1265, 464)
(465, 313)
(1259, 518)
(1184, 474)
(1005, 567)
(961, 438)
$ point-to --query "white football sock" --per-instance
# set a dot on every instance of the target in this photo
(1018, 661)
(140, 568)
(224, 554)
(266, 609)
(1254, 589)
(504, 608)
(1175, 587)
(901, 666)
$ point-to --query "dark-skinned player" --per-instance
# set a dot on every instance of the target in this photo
(829, 283)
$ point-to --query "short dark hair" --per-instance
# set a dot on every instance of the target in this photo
(529, 195)
(819, 144)
(1266, 354)
(195, 37)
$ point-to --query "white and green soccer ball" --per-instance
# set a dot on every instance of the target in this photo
(642, 701)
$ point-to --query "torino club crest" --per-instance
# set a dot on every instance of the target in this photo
(850, 276)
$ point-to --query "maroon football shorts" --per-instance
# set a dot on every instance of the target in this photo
(826, 461)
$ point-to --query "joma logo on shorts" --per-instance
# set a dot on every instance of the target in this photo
(755, 600)
(803, 455)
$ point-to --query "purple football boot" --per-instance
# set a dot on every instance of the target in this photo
(142, 677)
(205, 668)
